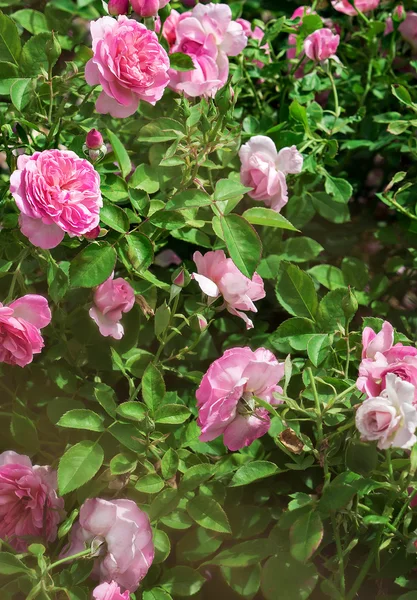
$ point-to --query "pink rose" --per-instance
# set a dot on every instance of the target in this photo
(111, 299)
(219, 276)
(148, 8)
(264, 169)
(254, 34)
(29, 506)
(169, 28)
(129, 63)
(226, 398)
(109, 591)
(167, 258)
(321, 44)
(20, 325)
(408, 29)
(118, 7)
(348, 8)
(390, 418)
(121, 535)
(56, 192)
(209, 36)
(380, 357)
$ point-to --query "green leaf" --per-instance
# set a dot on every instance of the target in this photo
(168, 219)
(31, 20)
(244, 582)
(162, 319)
(21, 92)
(402, 94)
(156, 594)
(355, 272)
(10, 564)
(329, 208)
(106, 397)
(257, 469)
(340, 189)
(376, 520)
(163, 504)
(78, 465)
(208, 513)
(283, 577)
(169, 464)
(10, 46)
(145, 178)
(298, 113)
(24, 433)
(120, 153)
(301, 249)
(153, 387)
(296, 332)
(189, 199)
(228, 189)
(197, 544)
(195, 476)
(242, 242)
(121, 464)
(295, 291)
(82, 419)
(39, 52)
(338, 493)
(244, 554)
(150, 484)
(182, 581)
(318, 348)
(327, 275)
(115, 217)
(93, 265)
(161, 130)
(330, 312)
(361, 457)
(139, 250)
(162, 546)
(305, 536)
(181, 62)
(134, 411)
(268, 218)
(172, 414)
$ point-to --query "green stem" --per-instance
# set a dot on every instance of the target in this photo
(51, 96)
(390, 469)
(318, 408)
(404, 508)
(339, 555)
(61, 561)
(347, 349)
(365, 567)
(335, 97)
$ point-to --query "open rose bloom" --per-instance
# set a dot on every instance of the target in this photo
(57, 192)
(321, 45)
(226, 396)
(255, 34)
(348, 7)
(218, 276)
(109, 591)
(209, 36)
(380, 357)
(111, 299)
(129, 63)
(121, 535)
(20, 325)
(391, 417)
(30, 509)
(264, 170)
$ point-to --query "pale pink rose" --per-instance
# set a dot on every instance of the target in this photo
(390, 418)
(111, 299)
(209, 36)
(169, 28)
(109, 591)
(408, 29)
(380, 357)
(29, 506)
(226, 398)
(264, 169)
(129, 63)
(167, 258)
(219, 276)
(255, 34)
(148, 8)
(56, 192)
(121, 535)
(20, 325)
(348, 7)
(321, 44)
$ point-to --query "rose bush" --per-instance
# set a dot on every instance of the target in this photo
(208, 387)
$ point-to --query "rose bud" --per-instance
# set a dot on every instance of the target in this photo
(399, 13)
(118, 7)
(93, 234)
(94, 139)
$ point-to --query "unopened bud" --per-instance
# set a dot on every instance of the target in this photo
(93, 233)
(349, 304)
(399, 14)
(118, 7)
(94, 140)
(202, 322)
(181, 278)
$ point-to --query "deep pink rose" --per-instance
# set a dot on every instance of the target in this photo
(209, 36)
(29, 506)
(348, 7)
(129, 63)
(321, 44)
(109, 591)
(121, 535)
(20, 325)
(118, 7)
(148, 8)
(226, 396)
(94, 139)
(390, 418)
(255, 34)
(219, 276)
(408, 29)
(57, 192)
(264, 169)
(380, 357)
(111, 299)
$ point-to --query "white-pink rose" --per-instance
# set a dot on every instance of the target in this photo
(109, 591)
(57, 192)
(129, 63)
(391, 418)
(111, 299)
(264, 170)
(218, 276)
